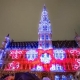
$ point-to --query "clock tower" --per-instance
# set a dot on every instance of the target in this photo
(44, 31)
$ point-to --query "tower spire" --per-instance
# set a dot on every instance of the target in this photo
(44, 7)
(44, 31)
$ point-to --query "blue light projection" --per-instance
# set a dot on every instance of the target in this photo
(71, 77)
(31, 54)
(57, 77)
(57, 68)
(45, 57)
(64, 77)
(1, 57)
(59, 54)
(44, 31)
(37, 68)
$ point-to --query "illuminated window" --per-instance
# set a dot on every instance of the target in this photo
(46, 37)
(59, 67)
(57, 77)
(45, 18)
(43, 44)
(47, 45)
(37, 68)
(70, 77)
(0, 65)
(42, 37)
(0, 56)
(64, 77)
(44, 28)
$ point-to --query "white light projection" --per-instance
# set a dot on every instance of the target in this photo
(57, 77)
(56, 67)
(53, 68)
(37, 68)
(31, 54)
(76, 66)
(78, 61)
(59, 54)
(13, 65)
(45, 58)
(44, 31)
(15, 54)
(1, 56)
(59, 67)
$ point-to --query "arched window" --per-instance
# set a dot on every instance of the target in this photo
(42, 37)
(46, 28)
(46, 37)
(43, 44)
(43, 28)
(47, 45)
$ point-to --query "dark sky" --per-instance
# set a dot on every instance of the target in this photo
(20, 18)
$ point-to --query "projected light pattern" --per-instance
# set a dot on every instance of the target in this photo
(63, 77)
(44, 31)
(38, 68)
(2, 54)
(31, 55)
(44, 60)
(56, 67)
(59, 54)
(57, 77)
(14, 65)
(15, 54)
(45, 57)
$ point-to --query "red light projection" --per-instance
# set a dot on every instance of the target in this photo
(45, 60)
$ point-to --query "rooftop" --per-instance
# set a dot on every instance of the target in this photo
(34, 44)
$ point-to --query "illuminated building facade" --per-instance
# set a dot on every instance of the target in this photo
(55, 59)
